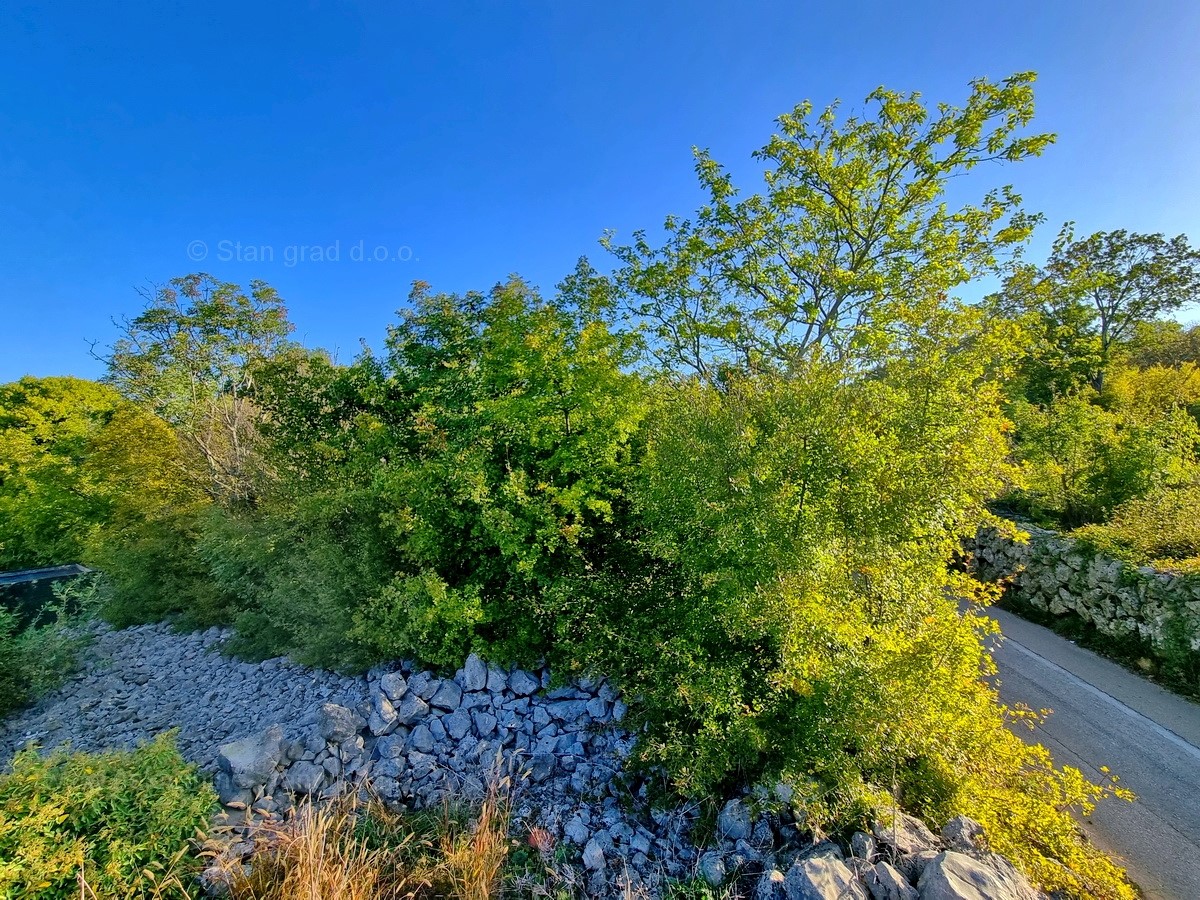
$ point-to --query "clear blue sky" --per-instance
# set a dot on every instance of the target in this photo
(478, 139)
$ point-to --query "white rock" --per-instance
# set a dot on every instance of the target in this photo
(885, 883)
(393, 685)
(956, 876)
(473, 675)
(734, 821)
(822, 878)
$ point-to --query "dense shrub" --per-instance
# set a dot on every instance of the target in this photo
(1154, 391)
(119, 822)
(791, 614)
(39, 655)
(1164, 342)
(1161, 529)
(50, 503)
(433, 497)
(147, 545)
(1082, 460)
(86, 476)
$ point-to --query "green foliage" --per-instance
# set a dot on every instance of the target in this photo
(146, 548)
(696, 888)
(1163, 343)
(40, 656)
(1091, 297)
(419, 615)
(1126, 278)
(1082, 461)
(190, 358)
(1154, 391)
(50, 502)
(1161, 529)
(521, 421)
(152, 571)
(442, 490)
(1025, 803)
(121, 820)
(86, 476)
(15, 665)
(1061, 351)
(852, 232)
(804, 525)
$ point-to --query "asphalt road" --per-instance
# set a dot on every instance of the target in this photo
(1104, 715)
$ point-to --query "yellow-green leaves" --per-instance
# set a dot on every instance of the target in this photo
(852, 231)
(122, 820)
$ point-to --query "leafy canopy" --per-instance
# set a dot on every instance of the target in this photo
(1091, 297)
(852, 235)
(190, 357)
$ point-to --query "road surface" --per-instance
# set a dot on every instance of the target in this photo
(1105, 715)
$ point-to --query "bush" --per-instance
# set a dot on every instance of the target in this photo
(119, 822)
(1161, 529)
(42, 655)
(152, 570)
(420, 616)
(789, 613)
(431, 498)
(1082, 461)
(49, 503)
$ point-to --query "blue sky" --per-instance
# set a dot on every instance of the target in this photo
(469, 140)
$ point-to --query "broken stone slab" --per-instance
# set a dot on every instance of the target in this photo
(963, 833)
(822, 877)
(522, 683)
(448, 696)
(956, 876)
(393, 685)
(712, 868)
(734, 820)
(251, 761)
(473, 675)
(886, 883)
(904, 834)
(304, 778)
(411, 707)
(337, 723)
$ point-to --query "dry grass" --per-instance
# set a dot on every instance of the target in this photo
(320, 854)
(351, 849)
(473, 862)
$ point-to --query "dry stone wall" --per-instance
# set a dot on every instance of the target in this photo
(1060, 576)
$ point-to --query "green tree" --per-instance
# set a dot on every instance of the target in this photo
(51, 503)
(1062, 352)
(852, 236)
(1164, 343)
(1095, 292)
(190, 357)
(1082, 461)
(88, 476)
(433, 495)
(522, 428)
(831, 427)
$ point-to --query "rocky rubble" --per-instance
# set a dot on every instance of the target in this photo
(419, 739)
(141, 681)
(275, 734)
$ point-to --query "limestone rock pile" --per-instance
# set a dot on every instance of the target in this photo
(141, 681)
